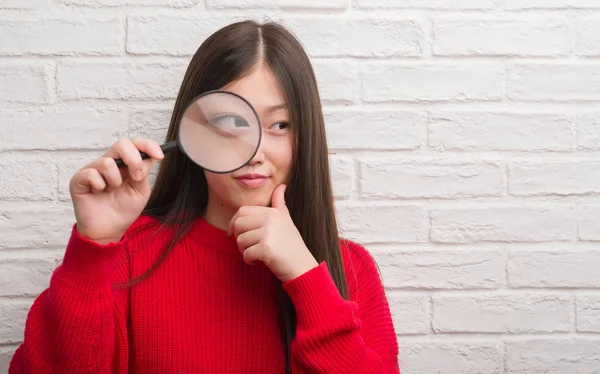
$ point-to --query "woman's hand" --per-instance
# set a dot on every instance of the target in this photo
(108, 199)
(268, 234)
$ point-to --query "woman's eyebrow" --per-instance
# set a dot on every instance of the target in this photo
(276, 107)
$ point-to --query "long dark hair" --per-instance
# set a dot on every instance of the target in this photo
(180, 192)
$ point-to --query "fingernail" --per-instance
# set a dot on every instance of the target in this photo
(138, 175)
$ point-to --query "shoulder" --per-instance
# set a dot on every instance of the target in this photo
(360, 266)
(146, 225)
(355, 254)
(143, 222)
(147, 229)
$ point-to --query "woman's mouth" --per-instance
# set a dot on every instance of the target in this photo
(251, 180)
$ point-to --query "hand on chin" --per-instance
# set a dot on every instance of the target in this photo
(267, 233)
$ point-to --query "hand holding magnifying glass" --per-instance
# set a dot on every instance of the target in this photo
(219, 131)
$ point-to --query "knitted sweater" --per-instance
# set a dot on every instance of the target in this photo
(203, 310)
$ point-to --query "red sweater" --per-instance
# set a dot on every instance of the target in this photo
(203, 310)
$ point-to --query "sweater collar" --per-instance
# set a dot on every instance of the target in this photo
(214, 237)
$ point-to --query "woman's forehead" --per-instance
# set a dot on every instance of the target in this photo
(262, 89)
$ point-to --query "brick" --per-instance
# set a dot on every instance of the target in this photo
(119, 80)
(588, 131)
(504, 224)
(427, 4)
(587, 36)
(358, 36)
(6, 355)
(25, 273)
(499, 131)
(78, 36)
(574, 269)
(554, 177)
(501, 37)
(396, 81)
(14, 313)
(409, 313)
(570, 81)
(58, 129)
(296, 4)
(25, 82)
(515, 314)
(150, 124)
(588, 313)
(451, 357)
(588, 222)
(113, 3)
(35, 226)
(337, 81)
(342, 175)
(21, 4)
(551, 4)
(383, 223)
(553, 355)
(179, 35)
(29, 178)
(386, 130)
(393, 178)
(481, 269)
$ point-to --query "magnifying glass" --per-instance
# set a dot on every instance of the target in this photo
(219, 131)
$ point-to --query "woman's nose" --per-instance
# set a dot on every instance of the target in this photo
(259, 156)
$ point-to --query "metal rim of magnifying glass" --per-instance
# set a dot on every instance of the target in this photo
(182, 149)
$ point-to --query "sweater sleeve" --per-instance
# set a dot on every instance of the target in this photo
(334, 335)
(78, 324)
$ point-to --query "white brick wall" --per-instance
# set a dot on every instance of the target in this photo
(466, 137)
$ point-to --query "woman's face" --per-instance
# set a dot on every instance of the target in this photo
(254, 183)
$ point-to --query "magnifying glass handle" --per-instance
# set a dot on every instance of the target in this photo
(167, 147)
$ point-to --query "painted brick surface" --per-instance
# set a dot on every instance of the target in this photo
(465, 139)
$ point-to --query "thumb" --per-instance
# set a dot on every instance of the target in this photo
(278, 198)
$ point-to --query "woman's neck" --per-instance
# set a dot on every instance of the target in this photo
(218, 214)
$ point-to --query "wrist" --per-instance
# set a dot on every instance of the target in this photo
(302, 269)
(103, 240)
(317, 299)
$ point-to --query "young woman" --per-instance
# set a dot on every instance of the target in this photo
(216, 273)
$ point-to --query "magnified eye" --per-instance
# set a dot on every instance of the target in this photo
(229, 122)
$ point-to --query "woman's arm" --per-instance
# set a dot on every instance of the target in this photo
(338, 336)
(78, 324)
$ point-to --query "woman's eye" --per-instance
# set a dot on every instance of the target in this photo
(229, 122)
(280, 125)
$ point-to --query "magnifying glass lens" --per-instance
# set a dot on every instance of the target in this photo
(220, 132)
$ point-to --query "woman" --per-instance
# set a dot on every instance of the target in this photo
(216, 273)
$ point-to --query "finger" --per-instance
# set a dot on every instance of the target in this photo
(248, 239)
(153, 150)
(146, 168)
(129, 152)
(109, 170)
(247, 223)
(278, 198)
(86, 181)
(126, 151)
(151, 147)
(245, 211)
(253, 254)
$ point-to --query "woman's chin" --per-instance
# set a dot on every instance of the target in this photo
(256, 200)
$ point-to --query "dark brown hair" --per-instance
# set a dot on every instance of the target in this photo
(180, 192)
